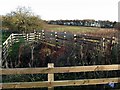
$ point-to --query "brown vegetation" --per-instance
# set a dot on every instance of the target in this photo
(92, 31)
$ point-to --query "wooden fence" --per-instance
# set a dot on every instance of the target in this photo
(13, 38)
(50, 70)
(42, 36)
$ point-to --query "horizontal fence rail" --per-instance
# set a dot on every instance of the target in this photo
(59, 69)
(51, 70)
(60, 83)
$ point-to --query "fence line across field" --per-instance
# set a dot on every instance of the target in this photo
(52, 37)
(50, 70)
(40, 36)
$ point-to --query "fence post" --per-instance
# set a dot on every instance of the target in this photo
(39, 36)
(56, 39)
(103, 44)
(51, 35)
(11, 39)
(64, 35)
(75, 38)
(43, 35)
(27, 37)
(35, 35)
(113, 40)
(50, 76)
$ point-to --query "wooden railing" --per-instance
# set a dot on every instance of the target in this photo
(13, 38)
(50, 70)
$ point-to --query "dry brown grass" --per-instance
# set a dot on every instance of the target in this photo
(93, 31)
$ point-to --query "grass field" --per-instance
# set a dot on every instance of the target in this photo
(94, 31)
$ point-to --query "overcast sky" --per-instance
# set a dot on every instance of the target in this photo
(66, 9)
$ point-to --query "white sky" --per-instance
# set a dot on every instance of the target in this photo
(66, 9)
